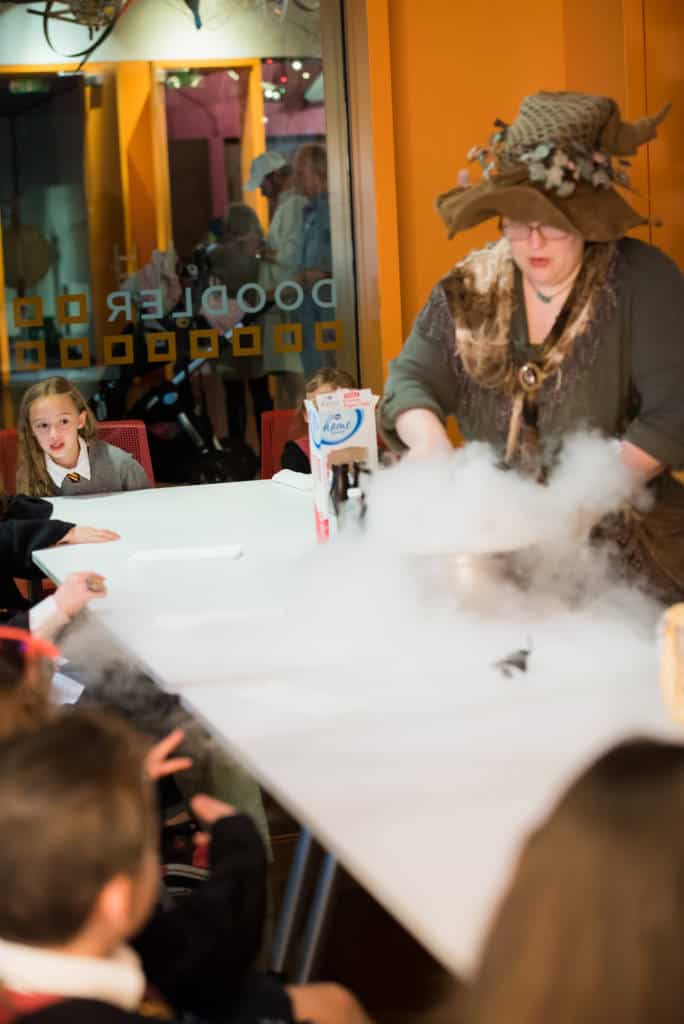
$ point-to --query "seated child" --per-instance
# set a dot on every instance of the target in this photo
(59, 453)
(50, 616)
(81, 935)
(25, 527)
(296, 451)
(26, 667)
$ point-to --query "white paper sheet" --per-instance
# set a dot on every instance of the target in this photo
(288, 478)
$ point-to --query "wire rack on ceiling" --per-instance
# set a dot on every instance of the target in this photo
(98, 18)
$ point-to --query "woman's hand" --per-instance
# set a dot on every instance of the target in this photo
(643, 465)
(159, 763)
(423, 434)
(88, 535)
(78, 588)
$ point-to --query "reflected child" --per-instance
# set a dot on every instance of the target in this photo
(296, 455)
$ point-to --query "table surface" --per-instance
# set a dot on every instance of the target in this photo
(422, 783)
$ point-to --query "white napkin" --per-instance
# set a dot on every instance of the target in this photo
(288, 477)
(187, 554)
(65, 690)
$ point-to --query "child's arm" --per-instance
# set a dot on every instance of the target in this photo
(199, 953)
(19, 538)
(21, 506)
(133, 476)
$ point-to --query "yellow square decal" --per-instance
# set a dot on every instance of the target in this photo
(21, 350)
(154, 340)
(63, 315)
(247, 332)
(323, 329)
(70, 361)
(204, 351)
(24, 319)
(122, 359)
(281, 332)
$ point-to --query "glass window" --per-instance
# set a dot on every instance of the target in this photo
(170, 239)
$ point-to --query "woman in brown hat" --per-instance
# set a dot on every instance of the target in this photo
(564, 322)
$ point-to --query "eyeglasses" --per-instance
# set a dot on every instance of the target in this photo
(516, 231)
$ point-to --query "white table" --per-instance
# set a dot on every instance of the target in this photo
(422, 783)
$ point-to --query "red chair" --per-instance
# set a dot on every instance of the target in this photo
(275, 433)
(8, 460)
(129, 435)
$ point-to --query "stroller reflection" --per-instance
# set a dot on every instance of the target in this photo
(174, 398)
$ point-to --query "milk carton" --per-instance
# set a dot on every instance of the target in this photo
(341, 430)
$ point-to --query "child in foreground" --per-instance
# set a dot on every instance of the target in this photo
(81, 935)
(59, 453)
(296, 455)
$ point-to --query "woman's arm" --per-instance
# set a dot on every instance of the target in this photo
(654, 440)
(644, 466)
(422, 432)
(423, 386)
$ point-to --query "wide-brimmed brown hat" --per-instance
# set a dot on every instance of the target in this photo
(559, 163)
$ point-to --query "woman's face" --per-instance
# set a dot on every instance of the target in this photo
(308, 181)
(547, 261)
(55, 423)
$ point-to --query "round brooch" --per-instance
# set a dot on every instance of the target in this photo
(530, 377)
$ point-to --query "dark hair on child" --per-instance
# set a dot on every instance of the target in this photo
(78, 810)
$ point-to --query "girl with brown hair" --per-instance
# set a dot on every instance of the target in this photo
(59, 453)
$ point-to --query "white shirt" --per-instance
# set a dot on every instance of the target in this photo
(82, 467)
(117, 979)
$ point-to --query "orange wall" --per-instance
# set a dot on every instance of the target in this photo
(664, 45)
(456, 66)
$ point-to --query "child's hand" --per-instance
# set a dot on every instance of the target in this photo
(158, 763)
(88, 535)
(79, 588)
(208, 810)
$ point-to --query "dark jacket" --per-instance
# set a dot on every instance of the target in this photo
(295, 458)
(25, 527)
(199, 955)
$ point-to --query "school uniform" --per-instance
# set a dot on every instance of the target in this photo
(192, 962)
(296, 456)
(25, 528)
(101, 469)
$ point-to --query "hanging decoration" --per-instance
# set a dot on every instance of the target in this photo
(97, 17)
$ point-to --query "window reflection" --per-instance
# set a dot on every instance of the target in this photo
(166, 238)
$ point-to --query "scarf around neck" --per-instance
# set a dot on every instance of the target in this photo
(482, 297)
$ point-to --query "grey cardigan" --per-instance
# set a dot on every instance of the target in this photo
(111, 469)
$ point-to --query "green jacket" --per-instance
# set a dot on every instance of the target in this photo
(624, 378)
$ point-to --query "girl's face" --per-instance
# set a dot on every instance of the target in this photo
(324, 389)
(55, 423)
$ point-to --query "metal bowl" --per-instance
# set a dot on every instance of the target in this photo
(467, 577)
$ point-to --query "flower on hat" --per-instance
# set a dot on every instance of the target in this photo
(558, 168)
